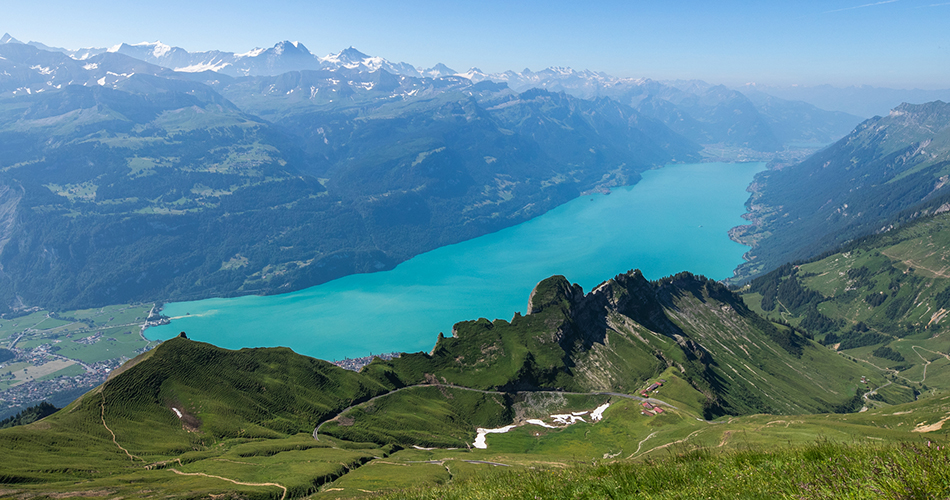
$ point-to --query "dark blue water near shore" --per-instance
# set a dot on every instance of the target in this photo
(675, 219)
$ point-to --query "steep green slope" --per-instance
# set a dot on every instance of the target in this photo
(232, 404)
(852, 188)
(629, 330)
(882, 299)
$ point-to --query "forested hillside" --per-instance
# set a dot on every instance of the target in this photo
(883, 299)
(885, 167)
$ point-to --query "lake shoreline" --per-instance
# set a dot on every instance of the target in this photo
(674, 219)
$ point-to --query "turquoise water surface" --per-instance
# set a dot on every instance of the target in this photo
(675, 219)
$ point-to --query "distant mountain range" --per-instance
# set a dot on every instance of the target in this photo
(122, 179)
(704, 113)
(862, 101)
(281, 58)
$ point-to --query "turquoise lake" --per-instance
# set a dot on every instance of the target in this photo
(675, 219)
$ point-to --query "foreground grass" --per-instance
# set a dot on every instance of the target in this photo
(821, 470)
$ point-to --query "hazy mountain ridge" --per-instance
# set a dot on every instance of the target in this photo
(885, 166)
(283, 57)
(861, 100)
(704, 113)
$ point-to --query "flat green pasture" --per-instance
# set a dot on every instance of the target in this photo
(13, 327)
(120, 314)
(114, 343)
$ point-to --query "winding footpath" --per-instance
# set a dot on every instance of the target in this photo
(202, 474)
(132, 457)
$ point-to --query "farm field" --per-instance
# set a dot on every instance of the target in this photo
(50, 356)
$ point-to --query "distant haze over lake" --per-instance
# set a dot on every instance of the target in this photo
(675, 219)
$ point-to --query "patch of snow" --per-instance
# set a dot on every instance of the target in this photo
(159, 50)
(598, 413)
(91, 66)
(567, 419)
(209, 66)
(373, 63)
(542, 423)
(102, 81)
(480, 434)
(251, 53)
(41, 69)
(114, 48)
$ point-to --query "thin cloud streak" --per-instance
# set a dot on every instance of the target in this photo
(861, 6)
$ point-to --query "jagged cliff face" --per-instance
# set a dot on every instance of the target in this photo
(629, 330)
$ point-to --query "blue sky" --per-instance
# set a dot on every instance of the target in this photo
(896, 43)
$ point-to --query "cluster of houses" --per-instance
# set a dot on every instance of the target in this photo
(357, 364)
(649, 409)
(652, 388)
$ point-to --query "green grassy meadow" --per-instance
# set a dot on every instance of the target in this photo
(246, 431)
(747, 410)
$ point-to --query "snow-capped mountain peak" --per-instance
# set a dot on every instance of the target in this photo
(159, 49)
(474, 74)
(438, 71)
(351, 58)
(251, 53)
(291, 47)
(345, 57)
